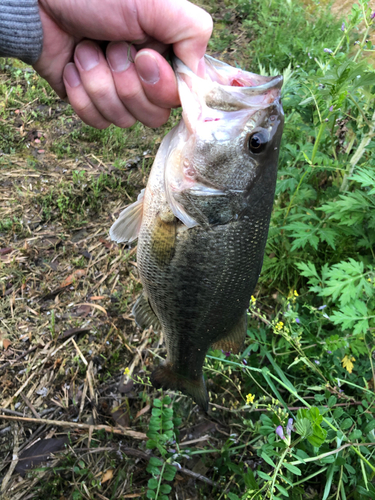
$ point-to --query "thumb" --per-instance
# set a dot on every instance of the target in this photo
(179, 23)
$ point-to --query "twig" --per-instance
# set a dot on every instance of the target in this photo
(14, 457)
(59, 423)
(93, 398)
(79, 352)
(20, 389)
(192, 441)
(27, 402)
(10, 363)
(137, 357)
(140, 454)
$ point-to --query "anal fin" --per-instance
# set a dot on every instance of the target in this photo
(144, 314)
(126, 228)
(235, 338)
(165, 377)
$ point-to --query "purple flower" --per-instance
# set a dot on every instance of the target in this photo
(244, 361)
(343, 27)
(329, 352)
(280, 432)
(227, 354)
(321, 308)
(289, 427)
(298, 321)
(331, 108)
(317, 362)
(329, 51)
(372, 15)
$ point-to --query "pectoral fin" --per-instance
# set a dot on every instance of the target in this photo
(164, 238)
(144, 315)
(126, 228)
(234, 340)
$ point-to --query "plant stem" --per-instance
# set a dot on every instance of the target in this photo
(333, 452)
(159, 482)
(340, 482)
(277, 470)
(320, 471)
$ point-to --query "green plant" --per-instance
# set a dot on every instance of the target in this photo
(162, 434)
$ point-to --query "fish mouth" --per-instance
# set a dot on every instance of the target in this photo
(223, 93)
(233, 80)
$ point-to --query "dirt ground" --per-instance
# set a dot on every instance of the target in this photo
(66, 330)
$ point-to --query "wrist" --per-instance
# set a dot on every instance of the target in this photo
(21, 33)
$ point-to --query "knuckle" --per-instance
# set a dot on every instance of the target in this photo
(130, 93)
(98, 93)
(125, 122)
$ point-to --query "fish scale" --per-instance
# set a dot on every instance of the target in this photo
(202, 221)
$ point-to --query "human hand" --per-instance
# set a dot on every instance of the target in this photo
(130, 82)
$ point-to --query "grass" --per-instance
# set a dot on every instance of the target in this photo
(292, 416)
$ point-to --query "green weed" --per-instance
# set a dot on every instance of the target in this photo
(162, 435)
(82, 197)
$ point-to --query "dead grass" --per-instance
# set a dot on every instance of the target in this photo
(71, 424)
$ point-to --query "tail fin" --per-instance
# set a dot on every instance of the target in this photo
(164, 377)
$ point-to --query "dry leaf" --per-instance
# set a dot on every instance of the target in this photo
(96, 306)
(39, 452)
(4, 344)
(120, 415)
(78, 273)
(106, 243)
(143, 411)
(107, 476)
(83, 310)
(4, 251)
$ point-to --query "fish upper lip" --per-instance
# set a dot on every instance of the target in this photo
(273, 83)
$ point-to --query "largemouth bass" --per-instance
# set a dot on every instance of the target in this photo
(202, 221)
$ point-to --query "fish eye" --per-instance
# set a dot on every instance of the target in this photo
(257, 142)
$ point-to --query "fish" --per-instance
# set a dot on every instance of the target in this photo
(202, 220)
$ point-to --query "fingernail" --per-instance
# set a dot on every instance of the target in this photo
(87, 55)
(71, 75)
(118, 56)
(147, 67)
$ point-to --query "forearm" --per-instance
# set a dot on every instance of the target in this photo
(21, 33)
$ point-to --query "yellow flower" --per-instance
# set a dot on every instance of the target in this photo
(126, 371)
(279, 326)
(347, 363)
(250, 398)
(253, 299)
(295, 293)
